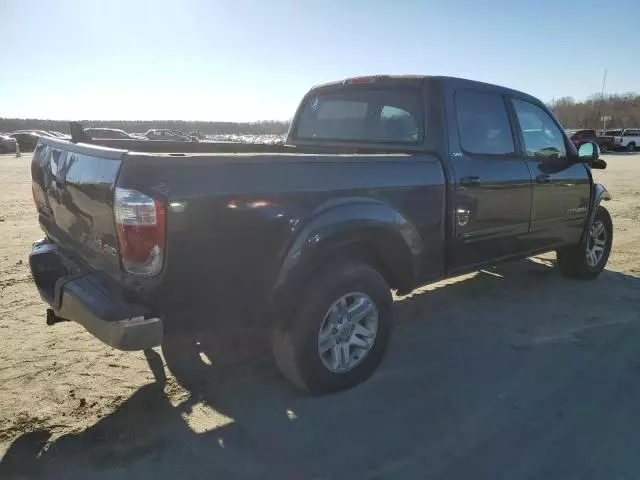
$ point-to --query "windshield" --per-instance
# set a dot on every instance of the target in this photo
(363, 115)
(613, 132)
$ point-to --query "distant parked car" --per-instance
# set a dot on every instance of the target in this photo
(168, 135)
(627, 139)
(578, 137)
(7, 144)
(606, 139)
(197, 135)
(42, 133)
(107, 133)
(27, 141)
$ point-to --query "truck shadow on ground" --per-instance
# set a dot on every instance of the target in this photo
(507, 373)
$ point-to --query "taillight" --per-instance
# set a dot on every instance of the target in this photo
(141, 227)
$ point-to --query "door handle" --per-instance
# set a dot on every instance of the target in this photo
(471, 180)
(543, 178)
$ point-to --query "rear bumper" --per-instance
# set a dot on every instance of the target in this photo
(85, 298)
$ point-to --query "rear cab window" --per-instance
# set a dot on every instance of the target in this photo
(363, 115)
(483, 123)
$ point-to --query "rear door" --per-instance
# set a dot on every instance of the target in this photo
(491, 184)
(561, 184)
(73, 191)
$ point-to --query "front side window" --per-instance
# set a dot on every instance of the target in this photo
(363, 115)
(542, 137)
(483, 123)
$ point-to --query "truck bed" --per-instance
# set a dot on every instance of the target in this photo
(162, 146)
(217, 200)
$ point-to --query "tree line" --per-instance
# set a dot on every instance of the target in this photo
(272, 127)
(624, 110)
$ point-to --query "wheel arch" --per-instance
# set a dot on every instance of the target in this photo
(369, 231)
(598, 195)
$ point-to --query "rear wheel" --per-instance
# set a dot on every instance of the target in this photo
(631, 147)
(587, 259)
(339, 334)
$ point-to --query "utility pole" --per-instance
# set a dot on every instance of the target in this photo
(604, 80)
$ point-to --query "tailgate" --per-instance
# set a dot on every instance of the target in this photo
(73, 188)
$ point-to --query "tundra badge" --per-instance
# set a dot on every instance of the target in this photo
(578, 211)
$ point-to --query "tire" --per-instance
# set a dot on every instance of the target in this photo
(631, 147)
(4, 149)
(296, 345)
(574, 261)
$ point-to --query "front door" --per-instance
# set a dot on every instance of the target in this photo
(491, 184)
(561, 183)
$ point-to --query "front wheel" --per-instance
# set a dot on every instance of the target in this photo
(339, 334)
(587, 259)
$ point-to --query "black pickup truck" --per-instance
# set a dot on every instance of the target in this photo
(384, 182)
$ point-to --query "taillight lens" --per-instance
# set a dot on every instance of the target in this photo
(141, 227)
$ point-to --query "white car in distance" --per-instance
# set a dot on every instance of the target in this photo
(628, 138)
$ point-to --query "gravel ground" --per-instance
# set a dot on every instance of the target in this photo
(508, 374)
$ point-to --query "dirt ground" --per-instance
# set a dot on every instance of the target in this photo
(507, 374)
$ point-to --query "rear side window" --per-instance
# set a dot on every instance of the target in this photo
(363, 115)
(483, 123)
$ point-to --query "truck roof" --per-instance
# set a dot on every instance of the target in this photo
(417, 80)
(370, 79)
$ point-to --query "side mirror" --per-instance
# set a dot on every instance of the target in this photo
(590, 152)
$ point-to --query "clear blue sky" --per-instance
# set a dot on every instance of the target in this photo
(250, 60)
